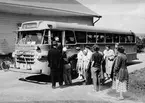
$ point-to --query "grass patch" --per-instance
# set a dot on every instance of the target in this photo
(137, 84)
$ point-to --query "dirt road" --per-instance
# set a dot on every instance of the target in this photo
(14, 90)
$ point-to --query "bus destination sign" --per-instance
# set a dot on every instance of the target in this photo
(29, 25)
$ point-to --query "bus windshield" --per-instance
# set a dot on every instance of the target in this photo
(30, 37)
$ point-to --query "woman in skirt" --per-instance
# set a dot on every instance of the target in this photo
(121, 72)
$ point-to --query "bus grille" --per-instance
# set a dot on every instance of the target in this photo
(27, 59)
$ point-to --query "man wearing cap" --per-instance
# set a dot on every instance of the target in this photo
(54, 57)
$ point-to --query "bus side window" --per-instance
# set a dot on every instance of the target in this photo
(100, 37)
(128, 38)
(80, 36)
(132, 37)
(122, 38)
(116, 38)
(108, 38)
(69, 37)
(91, 37)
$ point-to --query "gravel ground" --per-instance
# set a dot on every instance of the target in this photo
(16, 91)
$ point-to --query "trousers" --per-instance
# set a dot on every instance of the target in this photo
(56, 76)
(96, 77)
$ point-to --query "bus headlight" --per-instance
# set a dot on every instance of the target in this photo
(13, 55)
(38, 56)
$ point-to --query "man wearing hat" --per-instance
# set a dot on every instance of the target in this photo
(54, 57)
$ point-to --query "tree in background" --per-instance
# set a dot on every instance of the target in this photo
(140, 43)
(143, 41)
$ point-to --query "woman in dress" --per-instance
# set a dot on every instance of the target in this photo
(109, 57)
(86, 64)
(121, 72)
(80, 63)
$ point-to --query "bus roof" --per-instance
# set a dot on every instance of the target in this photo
(41, 25)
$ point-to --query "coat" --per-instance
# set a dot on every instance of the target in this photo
(120, 67)
(54, 59)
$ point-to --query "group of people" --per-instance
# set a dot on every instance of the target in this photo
(115, 68)
(91, 64)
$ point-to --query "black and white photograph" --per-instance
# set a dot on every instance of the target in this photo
(72, 51)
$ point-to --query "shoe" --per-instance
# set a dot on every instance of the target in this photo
(53, 87)
(106, 78)
(78, 77)
(81, 78)
(109, 80)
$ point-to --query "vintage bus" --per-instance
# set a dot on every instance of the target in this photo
(34, 39)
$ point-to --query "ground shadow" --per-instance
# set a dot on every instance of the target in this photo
(133, 63)
(106, 85)
(45, 79)
(40, 79)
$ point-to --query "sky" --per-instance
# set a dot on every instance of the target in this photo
(119, 14)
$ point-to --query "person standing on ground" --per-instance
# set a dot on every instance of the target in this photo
(61, 65)
(87, 65)
(54, 56)
(97, 58)
(121, 72)
(66, 68)
(109, 57)
(115, 55)
(80, 63)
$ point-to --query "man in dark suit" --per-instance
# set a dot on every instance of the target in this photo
(54, 57)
